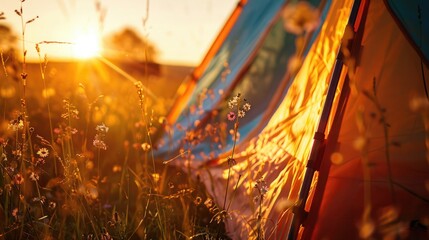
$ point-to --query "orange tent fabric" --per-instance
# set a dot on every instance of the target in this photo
(377, 183)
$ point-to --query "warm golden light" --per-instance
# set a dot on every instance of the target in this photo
(86, 46)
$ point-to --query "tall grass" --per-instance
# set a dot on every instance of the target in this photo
(65, 174)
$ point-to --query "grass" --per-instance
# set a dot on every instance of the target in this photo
(65, 174)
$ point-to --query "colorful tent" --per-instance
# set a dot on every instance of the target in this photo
(340, 141)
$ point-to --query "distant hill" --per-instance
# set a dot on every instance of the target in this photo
(162, 80)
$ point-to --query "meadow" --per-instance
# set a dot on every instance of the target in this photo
(76, 153)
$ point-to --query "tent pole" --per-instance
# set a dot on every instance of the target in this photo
(299, 214)
(317, 150)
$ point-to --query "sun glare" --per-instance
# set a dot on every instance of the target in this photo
(86, 46)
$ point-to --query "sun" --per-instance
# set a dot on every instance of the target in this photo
(86, 46)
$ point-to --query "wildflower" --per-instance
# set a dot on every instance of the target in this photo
(231, 104)
(99, 137)
(264, 190)
(17, 153)
(71, 111)
(236, 98)
(145, 146)
(155, 177)
(42, 199)
(262, 187)
(241, 113)
(16, 125)
(231, 162)
(40, 161)
(193, 136)
(231, 116)
(52, 205)
(43, 152)
(19, 179)
(34, 176)
(71, 130)
(100, 144)
(235, 135)
(299, 18)
(102, 128)
(58, 131)
(15, 212)
(234, 101)
(246, 107)
(256, 199)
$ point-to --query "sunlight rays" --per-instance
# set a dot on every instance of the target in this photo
(86, 46)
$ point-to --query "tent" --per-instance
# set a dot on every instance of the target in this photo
(340, 142)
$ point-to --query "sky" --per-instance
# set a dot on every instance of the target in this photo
(182, 30)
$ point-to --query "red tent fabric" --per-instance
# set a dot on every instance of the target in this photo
(379, 187)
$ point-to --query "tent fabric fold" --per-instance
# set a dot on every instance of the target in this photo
(413, 19)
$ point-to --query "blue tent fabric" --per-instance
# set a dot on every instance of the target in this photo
(256, 52)
(236, 50)
(413, 15)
